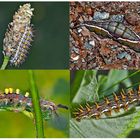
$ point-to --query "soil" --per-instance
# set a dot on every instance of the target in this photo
(91, 51)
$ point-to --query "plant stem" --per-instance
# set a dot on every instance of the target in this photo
(36, 106)
(5, 62)
(121, 80)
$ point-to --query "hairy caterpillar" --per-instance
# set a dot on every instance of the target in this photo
(21, 51)
(19, 35)
(15, 101)
(105, 107)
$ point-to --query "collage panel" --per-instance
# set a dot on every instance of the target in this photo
(70, 69)
(32, 35)
(104, 35)
(105, 104)
(17, 103)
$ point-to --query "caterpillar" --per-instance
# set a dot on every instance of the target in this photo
(20, 53)
(19, 36)
(15, 101)
(107, 106)
(115, 30)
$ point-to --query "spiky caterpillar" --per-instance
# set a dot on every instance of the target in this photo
(15, 101)
(108, 105)
(18, 36)
(21, 51)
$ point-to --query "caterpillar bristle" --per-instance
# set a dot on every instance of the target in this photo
(11, 90)
(97, 106)
(115, 97)
(88, 109)
(124, 101)
(81, 107)
(80, 110)
(130, 92)
(75, 113)
(6, 91)
(122, 95)
(17, 91)
(26, 94)
(107, 101)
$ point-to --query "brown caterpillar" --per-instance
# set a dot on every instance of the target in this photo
(19, 35)
(117, 31)
(98, 110)
(21, 51)
(18, 102)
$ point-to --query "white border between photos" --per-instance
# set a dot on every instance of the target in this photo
(65, 0)
(93, 130)
(67, 138)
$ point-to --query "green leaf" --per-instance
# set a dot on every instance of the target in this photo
(103, 128)
(88, 83)
(99, 85)
(112, 82)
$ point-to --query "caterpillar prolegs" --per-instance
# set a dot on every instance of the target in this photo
(124, 100)
(15, 101)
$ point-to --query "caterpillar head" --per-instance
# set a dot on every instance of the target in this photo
(49, 108)
(47, 105)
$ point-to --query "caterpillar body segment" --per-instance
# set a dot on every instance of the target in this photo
(15, 101)
(102, 109)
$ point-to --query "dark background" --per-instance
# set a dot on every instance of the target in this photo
(49, 49)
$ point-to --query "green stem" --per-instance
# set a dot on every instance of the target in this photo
(5, 62)
(121, 80)
(36, 106)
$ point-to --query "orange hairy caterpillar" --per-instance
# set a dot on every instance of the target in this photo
(15, 101)
(124, 100)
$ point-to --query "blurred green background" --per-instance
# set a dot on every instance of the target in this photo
(52, 85)
(49, 49)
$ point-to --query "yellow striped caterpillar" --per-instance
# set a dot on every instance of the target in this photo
(124, 100)
(15, 101)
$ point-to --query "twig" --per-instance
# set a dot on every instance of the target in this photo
(5, 62)
(36, 106)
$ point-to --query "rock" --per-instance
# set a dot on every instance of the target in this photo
(118, 18)
(132, 18)
(100, 16)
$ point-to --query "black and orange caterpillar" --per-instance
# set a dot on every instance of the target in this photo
(15, 101)
(124, 100)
